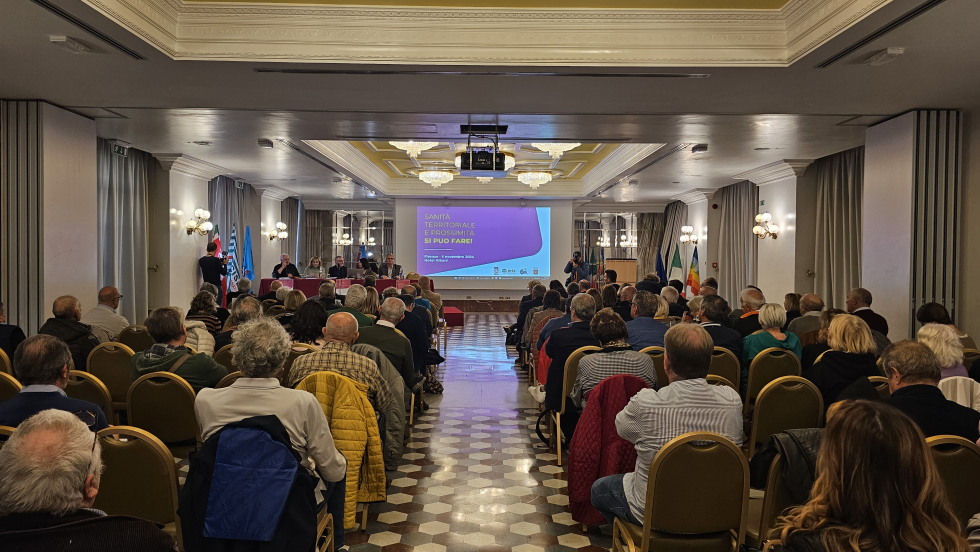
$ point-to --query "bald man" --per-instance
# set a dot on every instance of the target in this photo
(810, 306)
(748, 322)
(104, 316)
(625, 306)
(67, 326)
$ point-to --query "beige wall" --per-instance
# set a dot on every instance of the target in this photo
(777, 257)
(70, 207)
(967, 312)
(265, 252)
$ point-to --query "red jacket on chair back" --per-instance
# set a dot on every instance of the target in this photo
(596, 449)
(544, 362)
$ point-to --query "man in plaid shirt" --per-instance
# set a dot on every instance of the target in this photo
(340, 333)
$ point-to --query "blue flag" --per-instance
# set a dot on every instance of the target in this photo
(661, 271)
(248, 266)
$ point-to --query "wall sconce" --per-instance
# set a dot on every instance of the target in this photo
(279, 232)
(627, 241)
(201, 225)
(603, 241)
(688, 235)
(763, 229)
(345, 240)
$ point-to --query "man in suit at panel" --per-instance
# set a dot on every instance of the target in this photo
(338, 270)
(389, 269)
(713, 309)
(811, 305)
(859, 304)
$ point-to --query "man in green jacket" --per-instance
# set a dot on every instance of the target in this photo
(166, 327)
(356, 295)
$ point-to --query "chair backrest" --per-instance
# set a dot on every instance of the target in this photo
(963, 391)
(135, 337)
(970, 356)
(724, 363)
(6, 366)
(112, 364)
(373, 317)
(5, 432)
(163, 404)
(223, 357)
(191, 349)
(657, 354)
(958, 462)
(768, 365)
(809, 338)
(228, 380)
(718, 380)
(820, 357)
(9, 386)
(86, 387)
(881, 384)
(140, 477)
(776, 500)
(275, 310)
(789, 402)
(697, 472)
(571, 372)
(293, 355)
(267, 304)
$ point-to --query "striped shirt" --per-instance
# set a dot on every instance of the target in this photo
(652, 418)
(211, 321)
(337, 357)
(609, 362)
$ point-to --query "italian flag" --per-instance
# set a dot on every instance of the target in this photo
(217, 241)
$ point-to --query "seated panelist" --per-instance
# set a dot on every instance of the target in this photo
(285, 269)
(338, 270)
(389, 269)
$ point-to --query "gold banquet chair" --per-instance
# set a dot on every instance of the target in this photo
(162, 403)
(718, 380)
(6, 366)
(9, 386)
(724, 363)
(135, 337)
(789, 402)
(140, 478)
(657, 354)
(223, 357)
(112, 363)
(697, 498)
(571, 374)
(293, 355)
(768, 365)
(228, 380)
(86, 387)
(881, 384)
(958, 462)
(764, 511)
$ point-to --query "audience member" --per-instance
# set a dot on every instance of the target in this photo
(245, 309)
(707, 290)
(555, 323)
(414, 330)
(611, 279)
(751, 301)
(391, 291)
(711, 282)
(913, 379)
(370, 304)
(563, 343)
(876, 488)
(412, 306)
(812, 351)
(261, 347)
(859, 304)
(66, 326)
(713, 308)
(371, 281)
(281, 294)
(694, 309)
(652, 418)
(41, 366)
(271, 295)
(610, 296)
(396, 347)
(674, 308)
(851, 359)
(327, 296)
(294, 300)
(679, 286)
(651, 283)
(244, 286)
(584, 285)
(811, 306)
(104, 316)
(934, 313)
(771, 317)
(10, 334)
(791, 302)
(434, 298)
(616, 357)
(356, 295)
(536, 299)
(198, 337)
(643, 331)
(308, 323)
(947, 347)
(416, 291)
(221, 312)
(168, 354)
(50, 470)
(557, 286)
(203, 309)
(572, 288)
(549, 309)
(624, 308)
(530, 293)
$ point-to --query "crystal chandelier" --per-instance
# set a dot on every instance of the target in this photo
(508, 161)
(485, 179)
(436, 178)
(414, 148)
(555, 149)
(534, 178)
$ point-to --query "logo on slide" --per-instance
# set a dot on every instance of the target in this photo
(523, 271)
(535, 272)
(496, 270)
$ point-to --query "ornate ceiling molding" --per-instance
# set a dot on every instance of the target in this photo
(191, 166)
(624, 157)
(774, 172)
(423, 35)
(272, 192)
(347, 156)
(690, 196)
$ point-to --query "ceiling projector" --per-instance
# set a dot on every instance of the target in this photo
(482, 162)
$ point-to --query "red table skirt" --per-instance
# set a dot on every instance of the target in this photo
(311, 286)
(453, 316)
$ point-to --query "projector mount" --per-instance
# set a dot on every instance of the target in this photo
(483, 161)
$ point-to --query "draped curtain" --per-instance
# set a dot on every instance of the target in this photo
(675, 216)
(295, 244)
(122, 256)
(230, 206)
(319, 235)
(737, 245)
(388, 242)
(840, 192)
(650, 233)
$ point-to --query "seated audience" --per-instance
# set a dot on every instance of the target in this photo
(913, 379)
(294, 300)
(416, 292)
(596, 296)
(851, 358)
(652, 418)
(221, 312)
(244, 289)
(711, 282)
(308, 323)
(165, 325)
(947, 347)
(549, 309)
(272, 294)
(643, 330)
(624, 307)
(414, 330)
(67, 327)
(563, 343)
(536, 299)
(245, 309)
(611, 279)
(747, 322)
(812, 351)
(530, 292)
(934, 313)
(713, 308)
(390, 292)
(327, 296)
(694, 309)
(679, 286)
(419, 311)
(104, 316)
(356, 296)
(859, 304)
(707, 290)
(41, 366)
(50, 470)
(651, 283)
(772, 318)
(584, 285)
(876, 488)
(616, 357)
(791, 302)
(281, 294)
(370, 304)
(425, 289)
(557, 286)
(370, 281)
(198, 337)
(261, 347)
(204, 309)
(610, 296)
(10, 334)
(674, 308)
(555, 323)
(811, 306)
(396, 347)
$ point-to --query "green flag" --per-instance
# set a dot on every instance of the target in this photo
(592, 263)
(676, 271)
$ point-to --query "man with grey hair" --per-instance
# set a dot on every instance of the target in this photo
(653, 418)
(41, 366)
(811, 305)
(245, 309)
(356, 295)
(859, 304)
(390, 291)
(244, 289)
(261, 347)
(397, 348)
(563, 343)
(104, 317)
(50, 470)
(327, 295)
(671, 295)
(747, 323)
(643, 330)
(67, 326)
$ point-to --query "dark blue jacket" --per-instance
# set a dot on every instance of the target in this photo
(645, 332)
(25, 405)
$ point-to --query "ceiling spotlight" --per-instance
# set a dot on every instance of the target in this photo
(882, 57)
(634, 183)
(69, 44)
(265, 143)
(699, 148)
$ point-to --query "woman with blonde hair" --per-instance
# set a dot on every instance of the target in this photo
(791, 302)
(813, 350)
(876, 490)
(772, 318)
(946, 345)
(850, 360)
(314, 269)
(293, 301)
(370, 305)
(663, 309)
